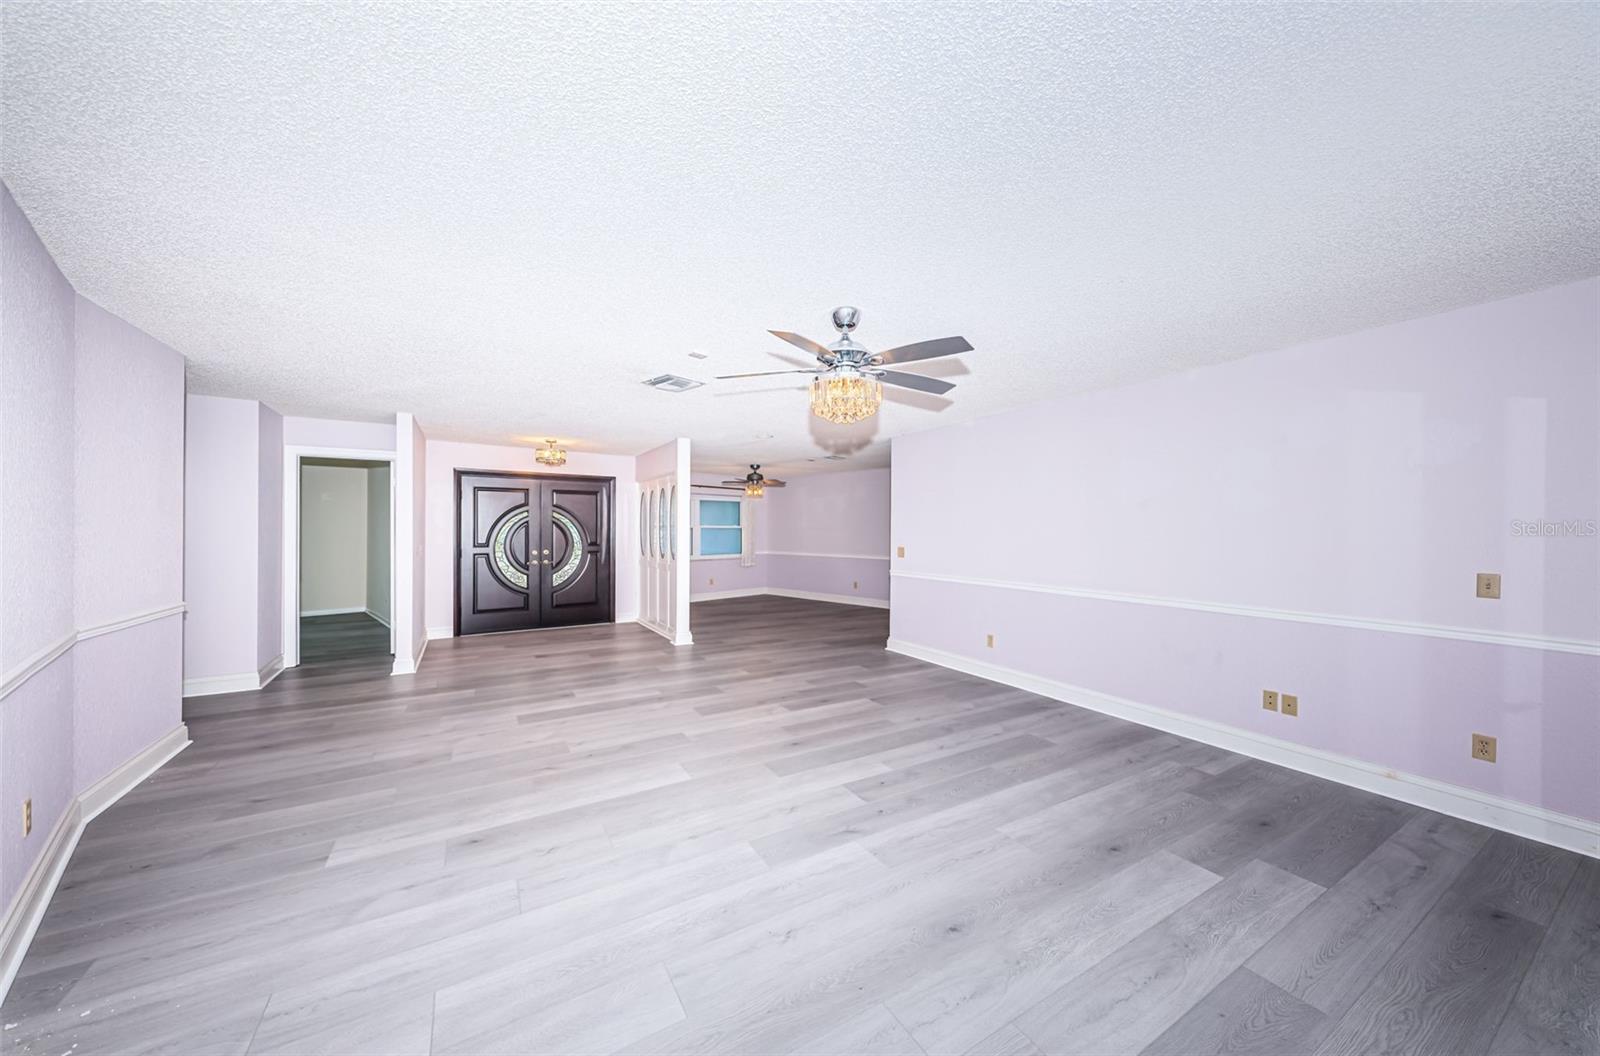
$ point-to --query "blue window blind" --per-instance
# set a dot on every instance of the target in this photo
(719, 532)
(719, 513)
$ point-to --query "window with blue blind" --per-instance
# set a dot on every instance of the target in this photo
(717, 531)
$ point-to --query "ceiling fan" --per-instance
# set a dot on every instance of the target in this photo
(848, 385)
(754, 484)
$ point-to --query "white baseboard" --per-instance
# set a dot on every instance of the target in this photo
(334, 612)
(837, 599)
(409, 667)
(780, 592)
(1496, 812)
(272, 670)
(205, 687)
(441, 632)
(242, 683)
(33, 897)
(106, 791)
(381, 619)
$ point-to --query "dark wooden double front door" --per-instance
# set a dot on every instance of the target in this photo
(532, 551)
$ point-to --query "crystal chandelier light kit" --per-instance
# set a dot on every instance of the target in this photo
(847, 385)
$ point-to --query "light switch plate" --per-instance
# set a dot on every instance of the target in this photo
(1488, 584)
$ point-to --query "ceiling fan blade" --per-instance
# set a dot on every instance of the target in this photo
(820, 351)
(939, 346)
(736, 483)
(761, 374)
(915, 381)
(769, 482)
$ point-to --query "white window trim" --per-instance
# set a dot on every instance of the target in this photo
(694, 534)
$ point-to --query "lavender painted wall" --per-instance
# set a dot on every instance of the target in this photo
(128, 482)
(221, 556)
(831, 513)
(444, 457)
(129, 691)
(1366, 477)
(828, 533)
(36, 459)
(91, 425)
(36, 570)
(128, 469)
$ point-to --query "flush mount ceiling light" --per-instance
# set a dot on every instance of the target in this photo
(848, 386)
(550, 455)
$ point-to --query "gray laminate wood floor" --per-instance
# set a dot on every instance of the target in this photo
(342, 636)
(783, 839)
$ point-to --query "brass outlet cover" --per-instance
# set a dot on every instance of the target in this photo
(27, 816)
(1483, 747)
(899, 551)
(1488, 584)
(1269, 699)
(1290, 704)
(989, 641)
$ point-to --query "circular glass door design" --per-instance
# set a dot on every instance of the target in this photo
(534, 551)
(569, 547)
(508, 547)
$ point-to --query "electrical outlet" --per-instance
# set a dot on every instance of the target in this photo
(899, 551)
(712, 581)
(1290, 704)
(1488, 584)
(1483, 747)
(989, 641)
(27, 816)
(855, 584)
(1269, 699)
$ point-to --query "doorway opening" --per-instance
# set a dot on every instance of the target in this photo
(339, 581)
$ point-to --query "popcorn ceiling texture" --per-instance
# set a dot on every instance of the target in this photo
(502, 218)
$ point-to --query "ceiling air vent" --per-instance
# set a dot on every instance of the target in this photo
(673, 383)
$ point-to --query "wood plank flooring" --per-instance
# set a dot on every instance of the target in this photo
(782, 839)
(342, 636)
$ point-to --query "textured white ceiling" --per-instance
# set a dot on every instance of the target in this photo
(504, 217)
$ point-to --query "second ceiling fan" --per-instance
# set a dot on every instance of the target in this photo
(847, 385)
(754, 484)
